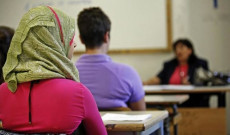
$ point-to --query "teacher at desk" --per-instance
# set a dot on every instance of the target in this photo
(181, 70)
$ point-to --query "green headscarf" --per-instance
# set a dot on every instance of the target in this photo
(38, 51)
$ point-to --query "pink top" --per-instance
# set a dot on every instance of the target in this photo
(179, 74)
(51, 106)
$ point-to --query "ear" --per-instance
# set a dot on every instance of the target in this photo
(81, 39)
(106, 37)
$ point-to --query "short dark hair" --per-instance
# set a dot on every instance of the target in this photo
(187, 43)
(6, 35)
(93, 24)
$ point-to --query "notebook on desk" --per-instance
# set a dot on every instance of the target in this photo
(125, 117)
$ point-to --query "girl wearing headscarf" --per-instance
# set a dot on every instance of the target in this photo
(42, 93)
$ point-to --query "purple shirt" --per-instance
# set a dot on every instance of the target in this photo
(112, 84)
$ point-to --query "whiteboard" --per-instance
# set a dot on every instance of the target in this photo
(136, 24)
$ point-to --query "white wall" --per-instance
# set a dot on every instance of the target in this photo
(155, 31)
(210, 30)
(198, 20)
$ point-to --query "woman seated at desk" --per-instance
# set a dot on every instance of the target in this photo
(42, 92)
(181, 69)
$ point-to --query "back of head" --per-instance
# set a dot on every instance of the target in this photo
(93, 24)
(6, 35)
(40, 47)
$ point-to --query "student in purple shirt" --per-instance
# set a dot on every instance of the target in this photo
(112, 84)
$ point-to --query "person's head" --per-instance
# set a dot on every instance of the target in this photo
(41, 48)
(184, 51)
(6, 35)
(94, 28)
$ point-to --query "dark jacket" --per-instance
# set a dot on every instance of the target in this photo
(171, 65)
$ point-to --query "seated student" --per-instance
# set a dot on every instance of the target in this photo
(42, 93)
(6, 35)
(112, 84)
(181, 69)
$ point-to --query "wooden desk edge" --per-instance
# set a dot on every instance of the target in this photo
(148, 92)
(163, 103)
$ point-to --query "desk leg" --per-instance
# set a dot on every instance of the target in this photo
(174, 113)
(160, 131)
(228, 112)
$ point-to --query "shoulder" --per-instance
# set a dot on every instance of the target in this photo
(61, 81)
(170, 63)
(201, 62)
(124, 72)
(124, 68)
(3, 86)
(65, 84)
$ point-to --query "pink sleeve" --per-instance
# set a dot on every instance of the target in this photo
(92, 121)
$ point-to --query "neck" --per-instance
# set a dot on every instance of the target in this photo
(101, 50)
(94, 51)
(183, 63)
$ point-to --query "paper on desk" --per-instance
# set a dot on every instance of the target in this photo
(167, 87)
(152, 87)
(178, 87)
(125, 117)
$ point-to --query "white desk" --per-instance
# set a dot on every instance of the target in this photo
(165, 99)
(191, 89)
(153, 124)
(173, 89)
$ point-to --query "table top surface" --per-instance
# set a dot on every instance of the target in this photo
(166, 99)
(156, 117)
(182, 89)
